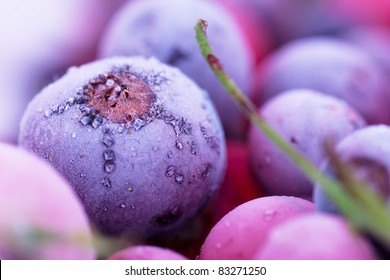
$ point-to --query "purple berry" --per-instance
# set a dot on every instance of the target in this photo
(315, 236)
(368, 151)
(305, 118)
(165, 30)
(244, 230)
(139, 141)
(375, 40)
(330, 66)
(41, 216)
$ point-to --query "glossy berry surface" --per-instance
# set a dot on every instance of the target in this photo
(331, 66)
(243, 230)
(140, 142)
(305, 119)
(368, 152)
(41, 216)
(315, 237)
(165, 30)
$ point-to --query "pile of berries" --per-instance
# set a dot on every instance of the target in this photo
(119, 142)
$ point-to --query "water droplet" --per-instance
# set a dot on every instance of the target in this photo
(123, 205)
(269, 215)
(86, 120)
(130, 189)
(109, 166)
(82, 175)
(170, 171)
(48, 113)
(120, 129)
(155, 148)
(105, 209)
(73, 135)
(107, 140)
(97, 121)
(185, 126)
(193, 147)
(110, 82)
(206, 172)
(169, 154)
(106, 182)
(179, 145)
(179, 179)
(108, 155)
(138, 124)
(72, 162)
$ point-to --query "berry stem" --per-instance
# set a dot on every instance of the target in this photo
(366, 211)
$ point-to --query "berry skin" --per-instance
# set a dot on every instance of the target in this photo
(146, 252)
(139, 141)
(165, 30)
(315, 236)
(374, 40)
(243, 230)
(333, 67)
(41, 216)
(305, 118)
(368, 151)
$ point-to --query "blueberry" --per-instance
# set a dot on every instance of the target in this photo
(331, 66)
(165, 30)
(375, 40)
(286, 20)
(368, 152)
(305, 118)
(127, 169)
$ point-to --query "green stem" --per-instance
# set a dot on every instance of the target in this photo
(351, 208)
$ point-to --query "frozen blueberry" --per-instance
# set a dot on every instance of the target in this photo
(286, 20)
(305, 118)
(375, 40)
(165, 30)
(139, 141)
(331, 66)
(368, 151)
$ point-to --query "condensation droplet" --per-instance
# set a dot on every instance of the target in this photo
(106, 182)
(120, 129)
(109, 166)
(269, 215)
(107, 140)
(155, 148)
(72, 162)
(73, 135)
(130, 189)
(108, 155)
(169, 154)
(82, 175)
(179, 179)
(110, 82)
(48, 113)
(170, 171)
(179, 145)
(123, 205)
